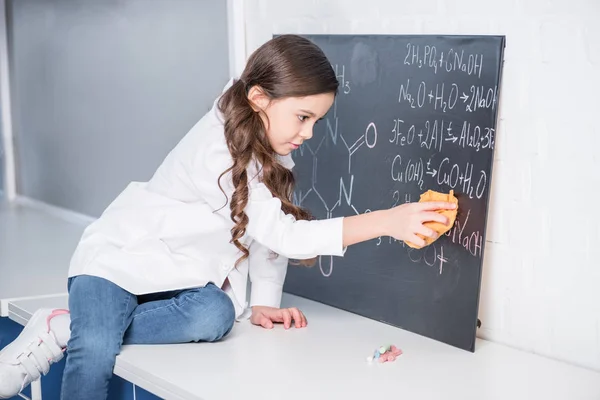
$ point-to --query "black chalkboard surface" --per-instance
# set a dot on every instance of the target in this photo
(413, 113)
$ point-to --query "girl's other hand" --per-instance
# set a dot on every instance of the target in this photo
(266, 316)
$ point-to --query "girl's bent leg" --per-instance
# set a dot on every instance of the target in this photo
(193, 315)
(100, 314)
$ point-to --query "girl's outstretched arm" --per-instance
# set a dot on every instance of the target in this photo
(402, 223)
(271, 227)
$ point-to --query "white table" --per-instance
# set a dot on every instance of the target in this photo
(327, 360)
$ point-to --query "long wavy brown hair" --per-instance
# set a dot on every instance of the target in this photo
(285, 66)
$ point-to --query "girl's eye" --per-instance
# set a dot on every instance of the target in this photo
(302, 118)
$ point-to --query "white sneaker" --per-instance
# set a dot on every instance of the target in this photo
(30, 354)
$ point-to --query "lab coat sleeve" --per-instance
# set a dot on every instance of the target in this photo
(267, 274)
(267, 224)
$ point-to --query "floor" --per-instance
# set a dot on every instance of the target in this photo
(36, 245)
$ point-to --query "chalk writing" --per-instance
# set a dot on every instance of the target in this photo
(434, 126)
(435, 134)
(461, 176)
(432, 255)
(472, 242)
(450, 60)
(411, 171)
(480, 97)
(340, 73)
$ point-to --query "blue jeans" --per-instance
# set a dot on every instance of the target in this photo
(104, 317)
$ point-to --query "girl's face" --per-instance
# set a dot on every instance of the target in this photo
(290, 121)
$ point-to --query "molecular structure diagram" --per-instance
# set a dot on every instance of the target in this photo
(366, 141)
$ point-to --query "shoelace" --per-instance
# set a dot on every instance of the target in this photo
(36, 360)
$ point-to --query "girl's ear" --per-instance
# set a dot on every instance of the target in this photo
(258, 99)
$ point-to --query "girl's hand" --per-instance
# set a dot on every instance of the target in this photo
(406, 220)
(266, 316)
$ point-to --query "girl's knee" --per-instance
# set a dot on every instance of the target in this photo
(225, 323)
(215, 321)
(93, 350)
(221, 316)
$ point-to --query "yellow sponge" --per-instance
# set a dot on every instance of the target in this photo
(431, 195)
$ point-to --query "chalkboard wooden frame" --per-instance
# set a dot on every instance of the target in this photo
(414, 112)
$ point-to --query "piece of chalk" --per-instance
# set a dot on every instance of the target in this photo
(383, 349)
(376, 355)
(369, 359)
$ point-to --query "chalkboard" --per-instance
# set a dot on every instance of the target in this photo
(413, 113)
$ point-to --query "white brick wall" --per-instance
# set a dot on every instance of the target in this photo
(541, 284)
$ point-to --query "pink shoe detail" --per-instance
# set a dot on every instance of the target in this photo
(58, 311)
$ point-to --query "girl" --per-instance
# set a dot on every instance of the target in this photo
(168, 260)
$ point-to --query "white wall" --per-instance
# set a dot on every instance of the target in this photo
(541, 284)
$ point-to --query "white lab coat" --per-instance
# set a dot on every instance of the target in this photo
(173, 232)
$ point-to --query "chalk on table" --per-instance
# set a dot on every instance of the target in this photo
(385, 354)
